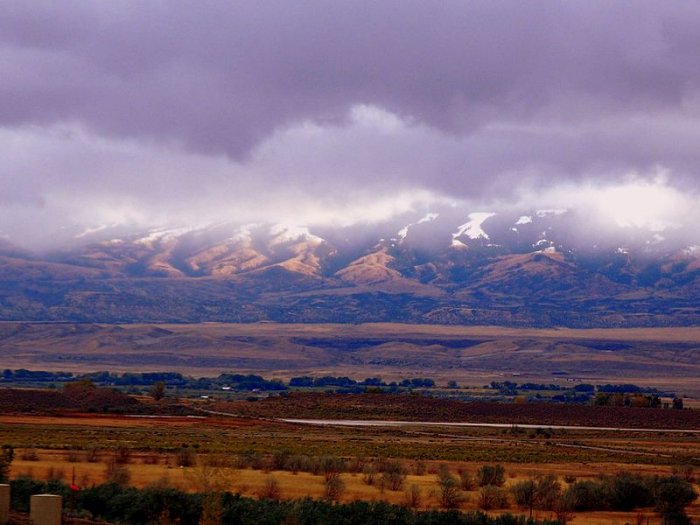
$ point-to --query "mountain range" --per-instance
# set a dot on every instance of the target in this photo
(446, 266)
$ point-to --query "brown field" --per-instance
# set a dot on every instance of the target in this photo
(667, 358)
(60, 443)
(302, 484)
(473, 356)
(423, 408)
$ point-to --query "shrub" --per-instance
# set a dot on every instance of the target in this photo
(117, 473)
(165, 505)
(671, 495)
(524, 493)
(676, 518)
(492, 497)
(393, 475)
(357, 465)
(22, 488)
(295, 463)
(368, 474)
(584, 495)
(547, 492)
(271, 489)
(7, 454)
(563, 511)
(280, 460)
(491, 475)
(466, 480)
(334, 487)
(331, 466)
(450, 497)
(157, 391)
(413, 497)
(629, 491)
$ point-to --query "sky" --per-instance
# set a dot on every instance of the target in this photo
(147, 113)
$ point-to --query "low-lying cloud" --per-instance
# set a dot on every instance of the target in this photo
(147, 113)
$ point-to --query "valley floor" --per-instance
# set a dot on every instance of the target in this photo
(241, 453)
(664, 358)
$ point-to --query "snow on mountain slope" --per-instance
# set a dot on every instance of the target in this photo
(472, 229)
(285, 233)
(403, 232)
(228, 257)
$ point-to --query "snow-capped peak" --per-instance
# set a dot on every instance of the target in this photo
(291, 232)
(243, 233)
(163, 234)
(403, 232)
(473, 229)
(525, 219)
(429, 217)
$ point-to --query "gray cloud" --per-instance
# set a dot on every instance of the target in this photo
(167, 110)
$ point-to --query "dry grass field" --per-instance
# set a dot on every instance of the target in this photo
(59, 446)
(53, 464)
(243, 448)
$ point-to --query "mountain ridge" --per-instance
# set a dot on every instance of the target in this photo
(523, 269)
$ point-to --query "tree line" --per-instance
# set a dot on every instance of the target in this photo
(232, 381)
(156, 504)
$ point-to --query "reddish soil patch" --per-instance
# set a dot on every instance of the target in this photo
(420, 408)
(85, 399)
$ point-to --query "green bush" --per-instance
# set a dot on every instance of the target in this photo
(130, 506)
(629, 491)
(547, 492)
(672, 494)
(625, 492)
(524, 493)
(585, 495)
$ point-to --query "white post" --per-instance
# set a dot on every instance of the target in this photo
(45, 509)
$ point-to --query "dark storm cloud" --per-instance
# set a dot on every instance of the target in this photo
(465, 99)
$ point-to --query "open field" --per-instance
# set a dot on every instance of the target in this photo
(58, 447)
(424, 408)
(253, 450)
(666, 358)
(302, 484)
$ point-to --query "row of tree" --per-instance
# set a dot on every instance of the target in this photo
(131, 506)
(240, 382)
